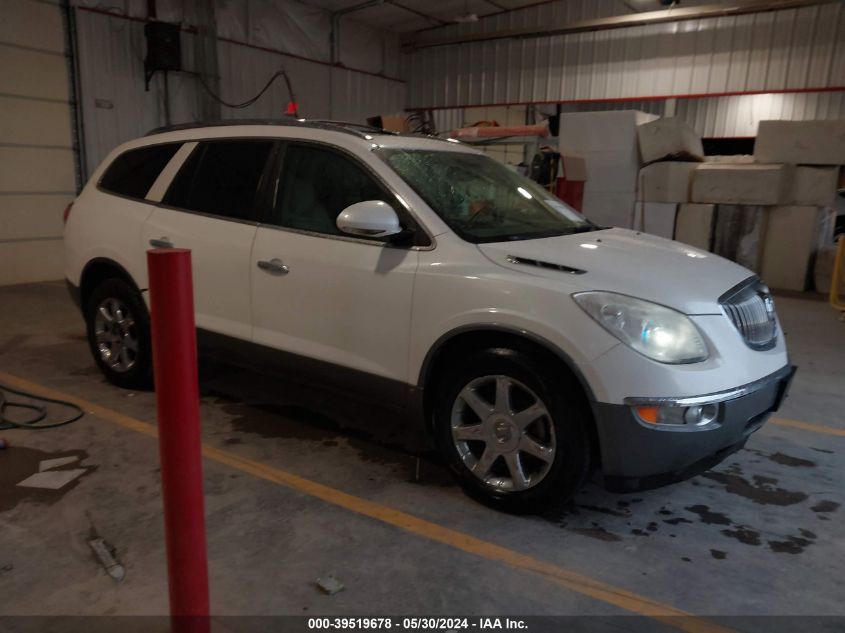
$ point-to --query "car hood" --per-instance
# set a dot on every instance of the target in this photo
(628, 262)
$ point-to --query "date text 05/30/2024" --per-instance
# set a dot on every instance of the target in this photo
(418, 624)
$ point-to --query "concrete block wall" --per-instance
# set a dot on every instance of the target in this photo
(37, 179)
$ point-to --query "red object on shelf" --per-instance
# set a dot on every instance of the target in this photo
(571, 192)
(177, 399)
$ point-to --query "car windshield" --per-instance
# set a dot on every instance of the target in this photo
(481, 199)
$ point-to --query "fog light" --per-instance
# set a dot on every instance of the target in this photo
(699, 415)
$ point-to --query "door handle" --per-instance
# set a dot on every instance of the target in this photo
(162, 242)
(273, 266)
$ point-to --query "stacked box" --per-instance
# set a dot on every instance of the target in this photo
(734, 159)
(790, 237)
(610, 209)
(801, 142)
(656, 218)
(608, 143)
(812, 186)
(695, 224)
(739, 233)
(667, 181)
(722, 183)
(669, 138)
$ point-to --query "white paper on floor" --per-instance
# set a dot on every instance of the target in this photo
(49, 464)
(52, 479)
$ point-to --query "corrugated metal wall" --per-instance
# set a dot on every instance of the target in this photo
(738, 116)
(791, 49)
(712, 117)
(116, 108)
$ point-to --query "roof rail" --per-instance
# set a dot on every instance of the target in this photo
(356, 129)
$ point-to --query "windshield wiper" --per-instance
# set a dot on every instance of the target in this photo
(587, 228)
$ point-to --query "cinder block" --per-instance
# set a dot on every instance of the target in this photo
(666, 181)
(789, 239)
(812, 186)
(694, 225)
(656, 218)
(801, 142)
(670, 138)
(723, 183)
(609, 209)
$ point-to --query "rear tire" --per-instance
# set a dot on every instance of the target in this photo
(512, 430)
(118, 326)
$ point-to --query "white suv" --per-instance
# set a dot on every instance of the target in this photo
(419, 273)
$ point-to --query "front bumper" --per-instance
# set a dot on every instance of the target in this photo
(636, 455)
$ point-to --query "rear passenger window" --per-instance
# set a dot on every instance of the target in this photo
(134, 171)
(221, 178)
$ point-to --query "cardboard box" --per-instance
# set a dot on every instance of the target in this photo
(610, 209)
(669, 138)
(812, 186)
(389, 123)
(694, 225)
(788, 245)
(667, 181)
(724, 183)
(801, 142)
(656, 218)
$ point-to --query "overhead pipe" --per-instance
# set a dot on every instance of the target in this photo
(676, 14)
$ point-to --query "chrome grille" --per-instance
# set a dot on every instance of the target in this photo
(752, 311)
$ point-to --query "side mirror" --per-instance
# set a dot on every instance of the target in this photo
(370, 218)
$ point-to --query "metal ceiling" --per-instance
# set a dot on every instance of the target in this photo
(405, 16)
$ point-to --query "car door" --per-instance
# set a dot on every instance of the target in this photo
(210, 208)
(339, 306)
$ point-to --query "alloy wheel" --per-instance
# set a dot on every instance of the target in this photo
(503, 433)
(116, 335)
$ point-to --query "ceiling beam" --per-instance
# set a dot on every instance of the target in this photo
(675, 14)
(420, 14)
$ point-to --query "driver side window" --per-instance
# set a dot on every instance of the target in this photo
(316, 185)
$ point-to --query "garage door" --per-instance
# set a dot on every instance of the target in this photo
(36, 149)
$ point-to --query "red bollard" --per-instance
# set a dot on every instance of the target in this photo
(177, 399)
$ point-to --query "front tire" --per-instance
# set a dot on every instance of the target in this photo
(512, 430)
(118, 326)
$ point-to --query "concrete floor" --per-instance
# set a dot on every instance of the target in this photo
(759, 535)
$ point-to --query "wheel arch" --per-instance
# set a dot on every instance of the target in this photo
(463, 339)
(98, 270)
(466, 338)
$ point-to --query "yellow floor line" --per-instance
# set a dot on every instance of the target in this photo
(808, 426)
(574, 581)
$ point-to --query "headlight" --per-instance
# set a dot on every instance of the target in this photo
(662, 334)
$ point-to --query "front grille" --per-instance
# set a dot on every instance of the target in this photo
(752, 311)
